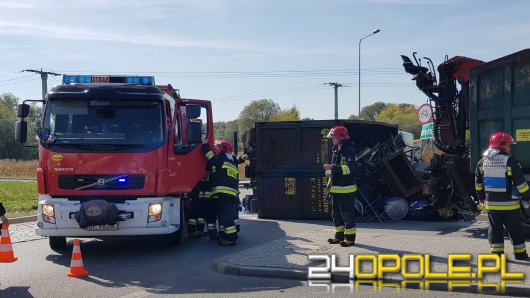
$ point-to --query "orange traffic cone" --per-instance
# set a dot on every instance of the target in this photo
(6, 250)
(76, 266)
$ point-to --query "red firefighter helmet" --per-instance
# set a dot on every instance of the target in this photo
(340, 132)
(224, 146)
(500, 141)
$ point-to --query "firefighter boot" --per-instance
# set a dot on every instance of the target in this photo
(224, 242)
(339, 235)
(349, 241)
(521, 256)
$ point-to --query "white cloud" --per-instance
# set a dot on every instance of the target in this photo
(406, 2)
(151, 5)
(16, 5)
(153, 40)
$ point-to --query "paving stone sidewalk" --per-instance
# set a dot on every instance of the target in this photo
(288, 257)
(22, 232)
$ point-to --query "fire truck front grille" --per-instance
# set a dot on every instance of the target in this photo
(101, 182)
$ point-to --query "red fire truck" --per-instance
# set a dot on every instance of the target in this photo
(122, 140)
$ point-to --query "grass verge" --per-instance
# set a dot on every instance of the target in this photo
(19, 198)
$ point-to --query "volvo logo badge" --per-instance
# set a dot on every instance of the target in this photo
(101, 182)
(94, 211)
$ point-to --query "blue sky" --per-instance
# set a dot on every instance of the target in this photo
(232, 51)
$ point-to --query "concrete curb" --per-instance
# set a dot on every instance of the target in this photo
(223, 266)
(15, 179)
(23, 219)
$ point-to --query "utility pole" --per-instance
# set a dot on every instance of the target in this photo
(336, 88)
(44, 78)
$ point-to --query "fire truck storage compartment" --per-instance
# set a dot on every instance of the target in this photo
(290, 181)
(500, 101)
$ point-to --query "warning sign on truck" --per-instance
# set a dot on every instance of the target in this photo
(522, 135)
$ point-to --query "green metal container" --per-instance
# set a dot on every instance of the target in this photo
(500, 101)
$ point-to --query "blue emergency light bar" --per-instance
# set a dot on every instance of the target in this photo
(89, 79)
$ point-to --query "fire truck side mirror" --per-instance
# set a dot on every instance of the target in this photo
(21, 131)
(193, 111)
(22, 110)
(193, 133)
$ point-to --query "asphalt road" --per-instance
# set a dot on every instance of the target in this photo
(145, 267)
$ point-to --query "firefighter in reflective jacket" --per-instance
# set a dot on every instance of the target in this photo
(224, 179)
(201, 210)
(499, 180)
(342, 187)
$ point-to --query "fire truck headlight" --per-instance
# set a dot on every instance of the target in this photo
(155, 212)
(48, 213)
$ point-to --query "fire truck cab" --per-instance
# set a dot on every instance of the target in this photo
(122, 140)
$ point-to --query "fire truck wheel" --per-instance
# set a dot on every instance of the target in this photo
(176, 237)
(57, 243)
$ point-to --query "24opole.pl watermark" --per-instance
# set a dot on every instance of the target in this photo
(414, 271)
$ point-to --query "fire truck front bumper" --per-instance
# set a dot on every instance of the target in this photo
(140, 216)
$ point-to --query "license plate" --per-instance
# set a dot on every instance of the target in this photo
(113, 227)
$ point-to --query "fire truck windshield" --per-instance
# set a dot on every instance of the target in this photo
(104, 125)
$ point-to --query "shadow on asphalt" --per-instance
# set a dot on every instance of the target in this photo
(22, 292)
(442, 227)
(149, 263)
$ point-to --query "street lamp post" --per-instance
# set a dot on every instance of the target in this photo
(359, 74)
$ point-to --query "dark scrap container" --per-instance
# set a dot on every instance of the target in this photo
(290, 181)
(500, 101)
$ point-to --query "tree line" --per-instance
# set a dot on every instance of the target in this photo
(9, 148)
(403, 114)
(256, 111)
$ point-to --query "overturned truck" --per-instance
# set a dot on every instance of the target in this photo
(287, 175)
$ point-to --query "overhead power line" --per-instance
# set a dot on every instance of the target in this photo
(44, 77)
(17, 78)
(18, 82)
(245, 74)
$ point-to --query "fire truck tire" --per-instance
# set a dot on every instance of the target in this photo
(57, 243)
(176, 237)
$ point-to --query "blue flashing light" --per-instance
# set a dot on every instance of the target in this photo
(122, 181)
(132, 80)
(139, 80)
(88, 79)
(67, 79)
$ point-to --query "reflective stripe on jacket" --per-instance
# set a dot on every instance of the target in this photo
(499, 179)
(343, 170)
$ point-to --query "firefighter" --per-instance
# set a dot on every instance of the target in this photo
(209, 208)
(199, 208)
(499, 181)
(191, 213)
(224, 179)
(342, 187)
